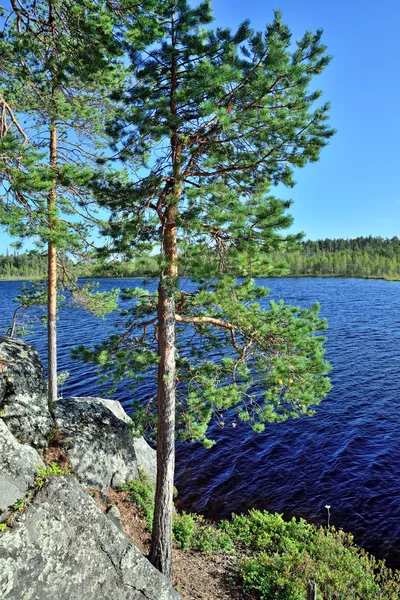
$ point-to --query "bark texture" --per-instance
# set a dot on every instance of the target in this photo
(168, 209)
(52, 282)
(161, 548)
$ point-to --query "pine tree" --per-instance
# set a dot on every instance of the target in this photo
(209, 120)
(56, 68)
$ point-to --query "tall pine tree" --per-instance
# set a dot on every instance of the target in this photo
(210, 120)
(57, 70)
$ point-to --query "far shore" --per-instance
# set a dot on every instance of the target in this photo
(326, 276)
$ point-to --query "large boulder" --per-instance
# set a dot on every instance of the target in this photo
(23, 401)
(99, 442)
(64, 547)
(18, 464)
(97, 433)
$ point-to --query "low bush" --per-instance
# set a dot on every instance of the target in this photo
(278, 558)
(141, 492)
(194, 532)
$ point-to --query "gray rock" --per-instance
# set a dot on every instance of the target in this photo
(98, 433)
(115, 516)
(98, 441)
(112, 405)
(18, 464)
(64, 547)
(23, 400)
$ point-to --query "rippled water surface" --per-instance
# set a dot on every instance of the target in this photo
(347, 455)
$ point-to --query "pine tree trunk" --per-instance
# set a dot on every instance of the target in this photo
(52, 284)
(161, 543)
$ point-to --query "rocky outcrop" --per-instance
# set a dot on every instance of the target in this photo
(98, 440)
(18, 464)
(23, 402)
(60, 545)
(97, 433)
(64, 547)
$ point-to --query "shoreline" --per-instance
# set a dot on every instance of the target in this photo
(327, 276)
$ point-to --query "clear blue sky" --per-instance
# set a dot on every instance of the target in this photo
(353, 189)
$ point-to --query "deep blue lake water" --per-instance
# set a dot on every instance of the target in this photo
(347, 455)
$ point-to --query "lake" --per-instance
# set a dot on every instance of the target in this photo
(347, 455)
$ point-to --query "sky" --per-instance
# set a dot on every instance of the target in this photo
(353, 189)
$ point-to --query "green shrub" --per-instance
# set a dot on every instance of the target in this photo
(183, 529)
(141, 492)
(274, 577)
(193, 531)
(211, 538)
(19, 505)
(279, 558)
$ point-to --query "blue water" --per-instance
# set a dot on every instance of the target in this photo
(347, 455)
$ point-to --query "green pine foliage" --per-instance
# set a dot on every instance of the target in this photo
(59, 65)
(214, 119)
(51, 75)
(276, 347)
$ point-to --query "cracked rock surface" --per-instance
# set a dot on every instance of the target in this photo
(64, 547)
(98, 440)
(23, 400)
(18, 464)
(61, 546)
(97, 433)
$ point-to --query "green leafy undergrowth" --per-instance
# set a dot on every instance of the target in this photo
(193, 531)
(141, 492)
(52, 470)
(278, 558)
(19, 505)
(275, 559)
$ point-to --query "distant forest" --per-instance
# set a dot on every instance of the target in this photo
(29, 265)
(359, 257)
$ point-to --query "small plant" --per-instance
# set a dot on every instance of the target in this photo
(19, 505)
(61, 380)
(141, 492)
(328, 508)
(54, 437)
(53, 470)
(3, 527)
(184, 527)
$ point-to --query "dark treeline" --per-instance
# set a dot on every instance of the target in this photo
(18, 266)
(359, 257)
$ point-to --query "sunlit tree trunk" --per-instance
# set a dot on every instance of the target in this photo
(52, 281)
(161, 547)
(161, 543)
